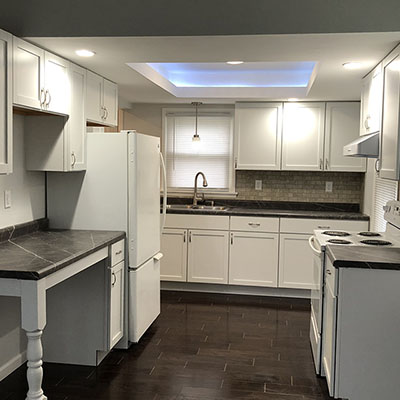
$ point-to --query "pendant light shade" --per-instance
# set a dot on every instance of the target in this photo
(196, 137)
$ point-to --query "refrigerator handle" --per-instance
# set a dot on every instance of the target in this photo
(165, 191)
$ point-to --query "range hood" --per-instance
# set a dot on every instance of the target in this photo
(364, 146)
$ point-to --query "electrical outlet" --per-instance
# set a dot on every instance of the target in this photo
(258, 185)
(328, 187)
(7, 199)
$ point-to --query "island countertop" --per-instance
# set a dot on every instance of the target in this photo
(36, 254)
(364, 257)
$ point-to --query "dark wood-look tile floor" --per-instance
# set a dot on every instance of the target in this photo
(203, 346)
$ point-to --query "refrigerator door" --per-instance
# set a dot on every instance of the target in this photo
(144, 297)
(144, 198)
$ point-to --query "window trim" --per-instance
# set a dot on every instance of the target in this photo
(231, 192)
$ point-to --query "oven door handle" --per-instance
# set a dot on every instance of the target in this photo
(314, 250)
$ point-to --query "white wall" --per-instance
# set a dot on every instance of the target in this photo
(27, 188)
(28, 203)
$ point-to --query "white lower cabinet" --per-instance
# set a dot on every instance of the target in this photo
(208, 256)
(253, 259)
(116, 318)
(295, 262)
(174, 249)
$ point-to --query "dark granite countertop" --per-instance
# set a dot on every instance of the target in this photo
(34, 255)
(364, 257)
(276, 209)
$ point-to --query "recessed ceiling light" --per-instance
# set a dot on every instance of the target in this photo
(85, 53)
(352, 65)
(293, 99)
(234, 62)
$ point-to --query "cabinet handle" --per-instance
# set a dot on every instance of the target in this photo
(321, 163)
(326, 164)
(366, 122)
(114, 278)
(73, 158)
(323, 227)
(254, 224)
(328, 272)
(190, 237)
(377, 165)
(42, 97)
(106, 113)
(47, 101)
(117, 253)
(235, 162)
(231, 239)
(102, 114)
(184, 237)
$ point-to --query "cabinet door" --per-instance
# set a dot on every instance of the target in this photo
(342, 127)
(258, 136)
(28, 74)
(295, 262)
(329, 337)
(116, 318)
(110, 102)
(371, 102)
(94, 98)
(303, 136)
(174, 249)
(6, 117)
(253, 259)
(76, 125)
(208, 256)
(56, 84)
(389, 158)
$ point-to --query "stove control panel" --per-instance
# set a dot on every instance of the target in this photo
(392, 212)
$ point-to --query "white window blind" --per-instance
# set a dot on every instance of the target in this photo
(212, 154)
(385, 190)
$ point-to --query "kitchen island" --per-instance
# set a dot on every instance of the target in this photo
(34, 259)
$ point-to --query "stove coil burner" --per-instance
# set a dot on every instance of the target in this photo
(376, 242)
(336, 233)
(369, 234)
(338, 241)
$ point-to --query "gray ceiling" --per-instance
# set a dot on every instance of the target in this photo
(196, 17)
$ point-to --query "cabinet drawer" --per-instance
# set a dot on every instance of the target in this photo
(185, 221)
(300, 225)
(117, 252)
(254, 224)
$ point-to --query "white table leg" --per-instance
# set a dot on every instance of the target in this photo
(34, 373)
(33, 304)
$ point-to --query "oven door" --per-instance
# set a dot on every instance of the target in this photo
(316, 293)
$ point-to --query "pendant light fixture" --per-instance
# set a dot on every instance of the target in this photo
(196, 137)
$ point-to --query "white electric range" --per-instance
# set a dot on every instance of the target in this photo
(318, 242)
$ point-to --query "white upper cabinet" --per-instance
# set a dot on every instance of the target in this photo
(303, 136)
(371, 102)
(40, 79)
(5, 103)
(75, 154)
(110, 101)
(258, 136)
(390, 143)
(29, 87)
(101, 100)
(56, 84)
(57, 143)
(341, 128)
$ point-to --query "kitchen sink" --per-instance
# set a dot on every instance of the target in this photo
(195, 207)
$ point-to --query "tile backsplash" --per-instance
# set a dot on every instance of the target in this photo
(302, 186)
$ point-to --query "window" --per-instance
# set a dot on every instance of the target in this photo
(213, 154)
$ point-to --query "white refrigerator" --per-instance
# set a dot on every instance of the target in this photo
(120, 190)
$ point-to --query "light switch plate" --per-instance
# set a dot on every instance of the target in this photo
(258, 185)
(7, 199)
(328, 187)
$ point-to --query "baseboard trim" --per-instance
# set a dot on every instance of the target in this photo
(11, 365)
(235, 289)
